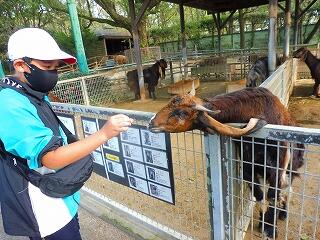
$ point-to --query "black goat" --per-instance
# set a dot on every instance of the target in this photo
(259, 72)
(187, 112)
(151, 77)
(313, 64)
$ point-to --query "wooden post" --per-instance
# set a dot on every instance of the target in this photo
(136, 42)
(273, 8)
(183, 41)
(219, 31)
(287, 29)
(296, 22)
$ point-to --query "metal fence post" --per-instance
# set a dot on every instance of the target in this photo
(215, 185)
(85, 92)
(2, 75)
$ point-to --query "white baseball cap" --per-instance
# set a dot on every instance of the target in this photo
(36, 43)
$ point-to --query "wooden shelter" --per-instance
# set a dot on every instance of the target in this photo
(115, 41)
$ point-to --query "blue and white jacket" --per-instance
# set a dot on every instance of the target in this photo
(29, 129)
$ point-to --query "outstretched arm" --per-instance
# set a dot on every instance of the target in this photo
(73, 152)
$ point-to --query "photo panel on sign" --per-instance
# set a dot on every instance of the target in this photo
(135, 168)
(112, 144)
(159, 176)
(115, 168)
(99, 166)
(68, 121)
(132, 152)
(89, 125)
(155, 157)
(132, 135)
(160, 192)
(138, 184)
(155, 140)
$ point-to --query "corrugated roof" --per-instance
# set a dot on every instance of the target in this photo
(113, 33)
(220, 5)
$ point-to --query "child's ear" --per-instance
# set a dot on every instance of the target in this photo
(19, 65)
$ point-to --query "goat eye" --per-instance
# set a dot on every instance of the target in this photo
(176, 100)
(183, 114)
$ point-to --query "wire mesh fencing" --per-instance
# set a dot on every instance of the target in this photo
(102, 89)
(273, 185)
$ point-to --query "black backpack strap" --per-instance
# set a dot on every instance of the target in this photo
(70, 137)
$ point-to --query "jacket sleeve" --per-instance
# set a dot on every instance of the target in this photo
(22, 131)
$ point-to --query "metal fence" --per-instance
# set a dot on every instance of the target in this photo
(297, 205)
(293, 211)
(110, 85)
(214, 199)
(280, 83)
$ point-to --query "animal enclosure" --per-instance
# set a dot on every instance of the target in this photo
(213, 200)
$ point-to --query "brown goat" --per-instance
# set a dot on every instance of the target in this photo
(313, 64)
(120, 59)
(54, 98)
(187, 112)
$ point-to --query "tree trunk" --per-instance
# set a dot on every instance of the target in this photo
(143, 33)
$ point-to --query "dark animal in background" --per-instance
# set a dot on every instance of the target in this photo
(313, 64)
(259, 72)
(187, 112)
(151, 77)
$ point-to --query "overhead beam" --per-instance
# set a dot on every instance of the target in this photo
(306, 9)
(228, 18)
(281, 7)
(220, 5)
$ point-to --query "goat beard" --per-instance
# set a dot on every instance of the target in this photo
(253, 125)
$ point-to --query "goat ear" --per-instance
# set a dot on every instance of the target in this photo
(193, 90)
(204, 109)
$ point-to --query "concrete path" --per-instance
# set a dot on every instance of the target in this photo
(92, 228)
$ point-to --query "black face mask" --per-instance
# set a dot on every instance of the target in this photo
(41, 80)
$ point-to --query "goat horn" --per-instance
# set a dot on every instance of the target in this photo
(193, 89)
(204, 109)
(253, 125)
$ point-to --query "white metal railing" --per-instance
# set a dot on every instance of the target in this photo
(280, 83)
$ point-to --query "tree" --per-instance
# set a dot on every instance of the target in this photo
(115, 13)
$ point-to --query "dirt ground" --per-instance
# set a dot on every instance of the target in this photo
(190, 182)
(205, 89)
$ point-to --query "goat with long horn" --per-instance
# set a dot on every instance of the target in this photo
(256, 107)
